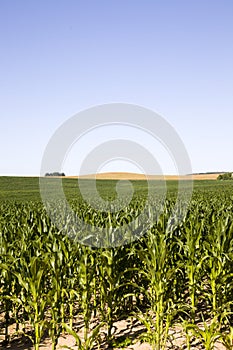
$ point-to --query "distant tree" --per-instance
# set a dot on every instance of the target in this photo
(225, 176)
(55, 173)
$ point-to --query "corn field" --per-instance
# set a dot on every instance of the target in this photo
(174, 276)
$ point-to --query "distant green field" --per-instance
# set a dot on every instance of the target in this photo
(25, 189)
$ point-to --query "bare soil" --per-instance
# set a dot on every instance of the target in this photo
(129, 328)
(135, 176)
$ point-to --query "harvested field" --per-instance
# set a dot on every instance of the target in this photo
(136, 176)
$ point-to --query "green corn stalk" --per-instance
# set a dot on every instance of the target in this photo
(227, 338)
(86, 271)
(191, 258)
(33, 297)
(218, 247)
(155, 258)
(209, 334)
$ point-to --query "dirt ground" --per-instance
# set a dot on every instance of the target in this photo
(135, 176)
(129, 328)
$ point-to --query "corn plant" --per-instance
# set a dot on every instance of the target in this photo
(86, 272)
(191, 258)
(155, 258)
(33, 296)
(219, 247)
(111, 281)
(227, 338)
(208, 334)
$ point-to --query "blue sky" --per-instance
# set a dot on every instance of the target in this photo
(60, 57)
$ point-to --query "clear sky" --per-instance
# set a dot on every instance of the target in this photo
(59, 57)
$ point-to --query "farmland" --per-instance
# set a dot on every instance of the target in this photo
(175, 278)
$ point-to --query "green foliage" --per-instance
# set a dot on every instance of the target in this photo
(171, 273)
(225, 176)
(55, 173)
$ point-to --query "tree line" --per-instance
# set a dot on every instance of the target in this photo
(56, 173)
(225, 176)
